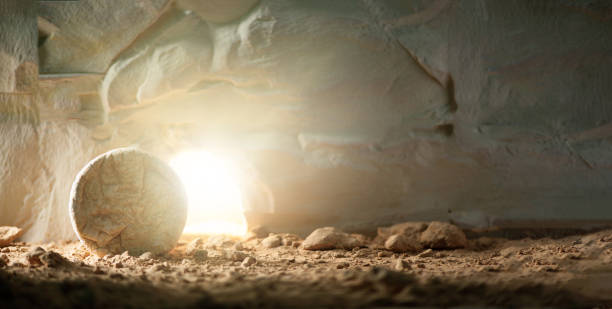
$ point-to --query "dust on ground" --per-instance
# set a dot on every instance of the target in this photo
(574, 271)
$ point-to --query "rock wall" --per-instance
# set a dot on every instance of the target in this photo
(349, 113)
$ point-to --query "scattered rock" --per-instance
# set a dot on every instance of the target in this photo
(99, 271)
(272, 241)
(218, 242)
(258, 232)
(289, 239)
(338, 255)
(327, 238)
(342, 265)
(54, 259)
(403, 243)
(8, 234)
(236, 256)
(426, 253)
(406, 228)
(400, 265)
(248, 261)
(362, 253)
(194, 245)
(33, 257)
(441, 235)
(146, 256)
(238, 246)
(4, 260)
(384, 254)
(200, 255)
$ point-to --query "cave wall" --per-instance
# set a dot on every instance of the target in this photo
(347, 113)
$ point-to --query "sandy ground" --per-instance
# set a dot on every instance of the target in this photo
(575, 271)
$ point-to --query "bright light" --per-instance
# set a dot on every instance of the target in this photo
(213, 191)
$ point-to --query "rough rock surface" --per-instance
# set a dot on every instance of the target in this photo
(272, 241)
(128, 200)
(17, 44)
(8, 234)
(403, 243)
(194, 245)
(258, 232)
(537, 273)
(91, 33)
(218, 11)
(442, 235)
(454, 106)
(327, 238)
(405, 228)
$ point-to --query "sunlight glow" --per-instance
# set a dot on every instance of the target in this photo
(213, 191)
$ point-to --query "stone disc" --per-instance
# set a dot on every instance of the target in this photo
(128, 200)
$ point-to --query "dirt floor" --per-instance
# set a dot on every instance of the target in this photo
(574, 271)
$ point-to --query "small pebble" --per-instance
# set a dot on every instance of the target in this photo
(146, 256)
(248, 261)
(342, 265)
(384, 254)
(400, 265)
(272, 241)
(426, 253)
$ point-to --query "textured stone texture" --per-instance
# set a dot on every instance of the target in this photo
(218, 11)
(403, 243)
(272, 241)
(355, 114)
(128, 200)
(441, 235)
(91, 33)
(8, 234)
(405, 228)
(18, 56)
(327, 238)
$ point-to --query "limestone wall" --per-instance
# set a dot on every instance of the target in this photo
(347, 113)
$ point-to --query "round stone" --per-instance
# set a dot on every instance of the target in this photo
(128, 200)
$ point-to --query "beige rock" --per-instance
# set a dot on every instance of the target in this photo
(384, 254)
(272, 241)
(219, 241)
(407, 228)
(441, 235)
(258, 232)
(289, 239)
(426, 253)
(403, 243)
(218, 11)
(326, 238)
(200, 255)
(4, 260)
(54, 259)
(33, 256)
(248, 261)
(400, 265)
(146, 256)
(8, 234)
(128, 200)
(91, 33)
(194, 245)
(236, 256)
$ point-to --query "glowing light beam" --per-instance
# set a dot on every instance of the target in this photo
(213, 192)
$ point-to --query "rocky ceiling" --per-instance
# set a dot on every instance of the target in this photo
(347, 113)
